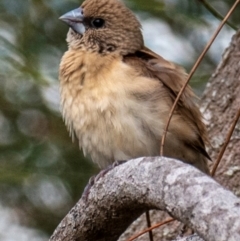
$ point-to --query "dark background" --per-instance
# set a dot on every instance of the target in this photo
(42, 173)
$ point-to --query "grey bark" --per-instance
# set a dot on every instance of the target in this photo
(130, 189)
(220, 103)
(193, 237)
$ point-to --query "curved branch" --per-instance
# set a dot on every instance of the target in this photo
(119, 197)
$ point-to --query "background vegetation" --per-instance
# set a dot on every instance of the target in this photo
(42, 173)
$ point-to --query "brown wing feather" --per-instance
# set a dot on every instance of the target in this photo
(173, 77)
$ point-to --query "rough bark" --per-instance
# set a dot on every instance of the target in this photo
(119, 197)
(220, 102)
(193, 237)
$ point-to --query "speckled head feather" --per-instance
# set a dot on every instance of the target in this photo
(120, 30)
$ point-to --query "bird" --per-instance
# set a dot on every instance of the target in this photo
(116, 94)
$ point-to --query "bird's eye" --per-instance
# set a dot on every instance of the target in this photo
(98, 22)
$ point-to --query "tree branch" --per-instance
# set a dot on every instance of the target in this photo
(130, 189)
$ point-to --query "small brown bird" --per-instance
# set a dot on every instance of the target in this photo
(116, 94)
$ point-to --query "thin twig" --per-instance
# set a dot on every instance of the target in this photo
(193, 70)
(153, 227)
(225, 144)
(216, 14)
(149, 226)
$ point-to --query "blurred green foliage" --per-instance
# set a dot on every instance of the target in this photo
(42, 173)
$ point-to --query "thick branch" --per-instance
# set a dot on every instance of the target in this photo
(128, 190)
(190, 238)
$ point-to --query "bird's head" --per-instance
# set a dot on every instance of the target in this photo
(104, 26)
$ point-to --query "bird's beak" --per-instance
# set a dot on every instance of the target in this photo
(74, 19)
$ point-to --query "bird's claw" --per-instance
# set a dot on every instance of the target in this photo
(101, 174)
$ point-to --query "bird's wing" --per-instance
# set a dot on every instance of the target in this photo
(173, 78)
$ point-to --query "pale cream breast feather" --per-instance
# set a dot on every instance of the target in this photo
(103, 103)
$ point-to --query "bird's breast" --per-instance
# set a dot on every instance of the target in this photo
(101, 105)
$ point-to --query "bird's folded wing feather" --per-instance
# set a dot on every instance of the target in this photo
(173, 77)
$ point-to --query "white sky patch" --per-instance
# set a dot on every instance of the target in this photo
(11, 230)
(159, 37)
(51, 95)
